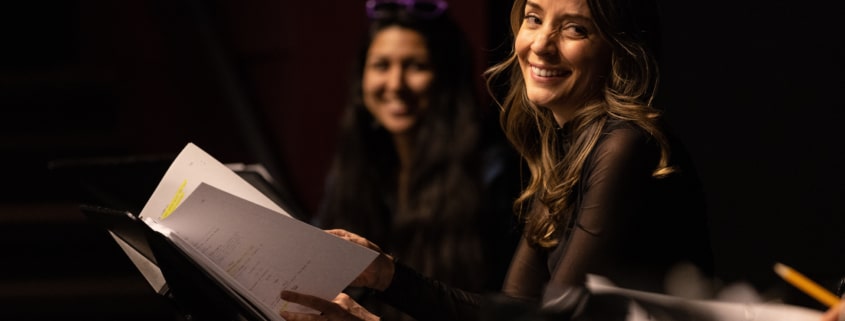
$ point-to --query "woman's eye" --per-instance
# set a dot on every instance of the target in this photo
(379, 65)
(419, 66)
(532, 19)
(575, 31)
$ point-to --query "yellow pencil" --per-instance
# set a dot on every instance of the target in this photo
(804, 284)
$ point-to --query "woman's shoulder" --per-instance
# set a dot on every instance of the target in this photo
(626, 128)
(625, 141)
(622, 136)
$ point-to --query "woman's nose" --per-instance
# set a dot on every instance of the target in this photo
(395, 78)
(544, 43)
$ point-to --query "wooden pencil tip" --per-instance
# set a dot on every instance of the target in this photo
(781, 269)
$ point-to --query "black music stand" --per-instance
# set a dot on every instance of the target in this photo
(112, 190)
(199, 296)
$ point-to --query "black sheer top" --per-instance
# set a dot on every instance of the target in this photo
(629, 227)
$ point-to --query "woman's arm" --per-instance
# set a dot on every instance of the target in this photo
(421, 297)
(528, 273)
(428, 299)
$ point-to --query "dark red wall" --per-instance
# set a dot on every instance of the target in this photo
(179, 75)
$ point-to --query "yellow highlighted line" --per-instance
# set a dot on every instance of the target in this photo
(180, 193)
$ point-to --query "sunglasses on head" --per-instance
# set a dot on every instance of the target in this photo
(426, 9)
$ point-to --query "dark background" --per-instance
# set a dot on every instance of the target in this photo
(753, 87)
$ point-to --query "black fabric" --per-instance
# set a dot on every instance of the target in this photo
(498, 231)
(428, 299)
(631, 228)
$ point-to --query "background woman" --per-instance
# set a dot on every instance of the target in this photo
(420, 168)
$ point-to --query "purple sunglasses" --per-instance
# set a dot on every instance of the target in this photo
(426, 9)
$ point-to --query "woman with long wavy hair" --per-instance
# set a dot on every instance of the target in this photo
(612, 192)
(419, 167)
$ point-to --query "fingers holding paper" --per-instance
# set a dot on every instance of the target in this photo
(379, 273)
(342, 308)
(835, 313)
(354, 238)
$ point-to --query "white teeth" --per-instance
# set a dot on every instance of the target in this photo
(546, 72)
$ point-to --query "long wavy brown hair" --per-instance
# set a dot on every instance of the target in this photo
(631, 28)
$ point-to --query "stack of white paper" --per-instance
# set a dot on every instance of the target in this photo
(246, 241)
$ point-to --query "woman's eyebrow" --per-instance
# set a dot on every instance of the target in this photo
(533, 5)
(566, 16)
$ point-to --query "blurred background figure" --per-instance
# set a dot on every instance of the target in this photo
(420, 167)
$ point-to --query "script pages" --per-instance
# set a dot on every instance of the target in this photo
(246, 241)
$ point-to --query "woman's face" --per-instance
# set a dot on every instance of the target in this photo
(562, 57)
(397, 78)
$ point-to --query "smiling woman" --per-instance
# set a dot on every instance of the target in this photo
(419, 167)
(397, 78)
(612, 192)
(562, 55)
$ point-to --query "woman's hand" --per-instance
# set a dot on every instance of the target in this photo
(342, 308)
(835, 313)
(379, 273)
